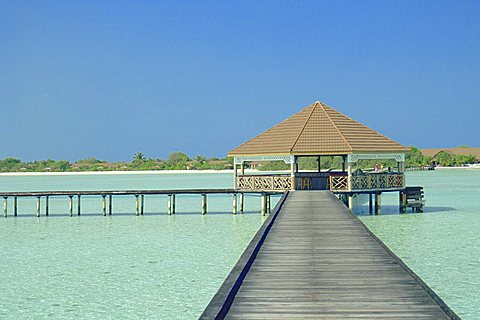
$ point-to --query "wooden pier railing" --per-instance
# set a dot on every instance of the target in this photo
(369, 182)
(258, 182)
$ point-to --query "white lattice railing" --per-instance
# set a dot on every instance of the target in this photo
(256, 182)
(376, 181)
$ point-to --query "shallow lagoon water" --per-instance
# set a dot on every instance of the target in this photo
(442, 245)
(168, 267)
(154, 266)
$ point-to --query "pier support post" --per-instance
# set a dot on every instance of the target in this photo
(110, 204)
(378, 204)
(142, 203)
(78, 205)
(403, 201)
(370, 203)
(169, 204)
(350, 201)
(15, 208)
(137, 207)
(263, 205)
(242, 202)
(104, 204)
(268, 204)
(204, 203)
(5, 207)
(71, 206)
(234, 211)
(46, 206)
(38, 206)
(173, 203)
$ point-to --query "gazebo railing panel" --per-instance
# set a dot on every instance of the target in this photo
(261, 182)
(339, 183)
(377, 181)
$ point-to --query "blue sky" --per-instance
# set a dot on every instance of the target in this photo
(107, 79)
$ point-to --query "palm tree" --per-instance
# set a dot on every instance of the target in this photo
(138, 156)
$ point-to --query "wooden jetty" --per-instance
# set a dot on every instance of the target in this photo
(313, 259)
(139, 199)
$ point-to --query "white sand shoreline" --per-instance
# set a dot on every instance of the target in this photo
(88, 173)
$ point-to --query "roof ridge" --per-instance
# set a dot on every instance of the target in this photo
(335, 125)
(304, 125)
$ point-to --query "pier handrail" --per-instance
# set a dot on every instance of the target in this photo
(271, 182)
(119, 192)
(366, 182)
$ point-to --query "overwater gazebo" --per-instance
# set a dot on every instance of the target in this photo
(319, 130)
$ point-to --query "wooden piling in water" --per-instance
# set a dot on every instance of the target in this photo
(46, 206)
(15, 208)
(370, 203)
(350, 201)
(169, 204)
(402, 201)
(242, 202)
(78, 205)
(5, 207)
(142, 203)
(173, 203)
(137, 207)
(263, 205)
(71, 206)
(234, 209)
(104, 204)
(204, 204)
(38, 206)
(268, 204)
(378, 204)
(110, 204)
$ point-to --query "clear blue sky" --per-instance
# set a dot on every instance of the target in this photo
(107, 79)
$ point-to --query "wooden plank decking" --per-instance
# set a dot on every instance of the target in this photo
(318, 261)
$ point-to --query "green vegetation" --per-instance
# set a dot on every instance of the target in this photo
(175, 161)
(181, 161)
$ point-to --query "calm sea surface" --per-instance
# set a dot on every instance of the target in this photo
(441, 245)
(168, 267)
(122, 266)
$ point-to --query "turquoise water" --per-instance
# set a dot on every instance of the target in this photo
(122, 266)
(441, 245)
(168, 267)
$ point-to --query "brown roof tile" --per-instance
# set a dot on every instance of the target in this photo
(318, 129)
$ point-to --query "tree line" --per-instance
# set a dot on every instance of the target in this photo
(181, 161)
(175, 161)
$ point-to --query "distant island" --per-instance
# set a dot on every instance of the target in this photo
(452, 157)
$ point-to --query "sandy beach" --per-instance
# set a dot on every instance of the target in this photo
(85, 173)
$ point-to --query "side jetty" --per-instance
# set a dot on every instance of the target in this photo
(139, 199)
(313, 259)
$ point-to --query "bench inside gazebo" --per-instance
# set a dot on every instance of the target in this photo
(318, 131)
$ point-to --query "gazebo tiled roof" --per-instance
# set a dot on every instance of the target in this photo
(318, 130)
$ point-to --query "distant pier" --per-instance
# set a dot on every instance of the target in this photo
(139, 196)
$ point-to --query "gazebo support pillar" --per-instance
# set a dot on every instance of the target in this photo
(349, 175)
(235, 186)
(292, 173)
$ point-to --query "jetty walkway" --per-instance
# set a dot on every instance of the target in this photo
(314, 259)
